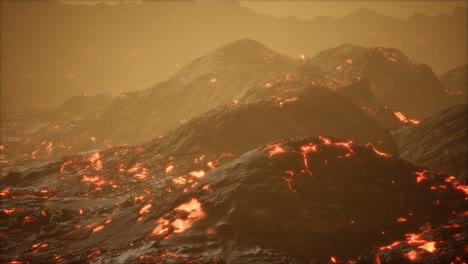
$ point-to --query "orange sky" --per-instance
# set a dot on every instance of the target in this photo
(309, 9)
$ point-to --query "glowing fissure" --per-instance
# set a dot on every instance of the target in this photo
(194, 211)
(405, 119)
(275, 149)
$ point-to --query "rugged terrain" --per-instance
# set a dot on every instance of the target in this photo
(245, 156)
(241, 72)
(438, 142)
(314, 199)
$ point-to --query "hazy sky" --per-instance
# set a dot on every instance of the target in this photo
(309, 9)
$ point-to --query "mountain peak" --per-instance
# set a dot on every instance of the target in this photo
(243, 51)
(244, 43)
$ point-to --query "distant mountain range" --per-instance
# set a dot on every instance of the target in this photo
(51, 50)
(377, 88)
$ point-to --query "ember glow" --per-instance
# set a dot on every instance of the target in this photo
(169, 168)
(145, 209)
(422, 245)
(275, 150)
(288, 180)
(405, 119)
(420, 176)
(369, 145)
(346, 145)
(198, 174)
(429, 246)
(194, 212)
(305, 150)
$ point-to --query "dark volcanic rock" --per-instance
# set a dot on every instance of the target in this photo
(300, 111)
(395, 80)
(81, 106)
(34, 135)
(215, 79)
(439, 142)
(242, 71)
(455, 83)
(295, 201)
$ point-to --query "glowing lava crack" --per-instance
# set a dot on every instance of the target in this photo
(302, 200)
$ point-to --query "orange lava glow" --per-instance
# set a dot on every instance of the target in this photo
(66, 163)
(194, 213)
(95, 160)
(149, 258)
(193, 208)
(49, 147)
(169, 168)
(179, 180)
(369, 145)
(420, 176)
(198, 174)
(38, 246)
(292, 99)
(161, 227)
(325, 140)
(306, 149)
(9, 211)
(346, 145)
(412, 255)
(276, 149)
(428, 246)
(214, 163)
(288, 180)
(94, 254)
(145, 209)
(5, 192)
(93, 179)
(411, 239)
(405, 119)
(463, 188)
(98, 228)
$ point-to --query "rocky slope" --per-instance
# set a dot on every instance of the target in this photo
(455, 83)
(309, 199)
(394, 79)
(244, 71)
(299, 111)
(438, 142)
